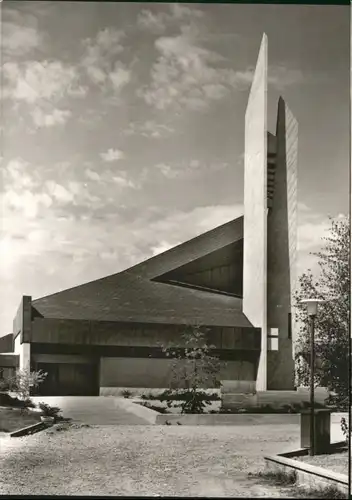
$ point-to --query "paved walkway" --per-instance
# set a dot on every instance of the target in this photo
(92, 410)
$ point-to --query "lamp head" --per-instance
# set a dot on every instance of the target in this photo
(312, 305)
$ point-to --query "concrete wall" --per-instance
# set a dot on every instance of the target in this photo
(107, 333)
(144, 372)
(22, 321)
(24, 352)
(255, 207)
(9, 360)
(282, 250)
(61, 358)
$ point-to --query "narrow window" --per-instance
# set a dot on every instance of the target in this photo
(290, 325)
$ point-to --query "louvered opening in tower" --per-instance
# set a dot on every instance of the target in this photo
(271, 167)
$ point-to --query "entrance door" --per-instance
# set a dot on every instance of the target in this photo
(67, 379)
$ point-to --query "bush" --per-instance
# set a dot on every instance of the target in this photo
(183, 394)
(22, 382)
(345, 429)
(50, 411)
(159, 409)
(126, 393)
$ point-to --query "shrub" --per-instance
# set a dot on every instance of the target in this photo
(50, 411)
(22, 382)
(159, 409)
(126, 393)
(345, 429)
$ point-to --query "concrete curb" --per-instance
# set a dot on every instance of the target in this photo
(140, 411)
(227, 419)
(301, 452)
(231, 419)
(31, 429)
(309, 476)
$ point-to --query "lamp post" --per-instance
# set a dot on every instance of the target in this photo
(312, 309)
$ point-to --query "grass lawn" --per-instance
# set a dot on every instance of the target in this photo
(13, 419)
(336, 462)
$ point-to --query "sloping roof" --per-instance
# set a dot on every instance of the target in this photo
(133, 296)
(197, 247)
(135, 299)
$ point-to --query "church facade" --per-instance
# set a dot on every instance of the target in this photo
(237, 280)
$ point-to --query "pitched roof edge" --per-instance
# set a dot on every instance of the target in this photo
(133, 268)
(151, 260)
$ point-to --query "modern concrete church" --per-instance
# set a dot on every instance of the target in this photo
(237, 280)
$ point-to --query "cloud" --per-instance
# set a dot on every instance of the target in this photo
(119, 77)
(182, 12)
(112, 155)
(186, 75)
(32, 192)
(20, 34)
(27, 203)
(161, 247)
(59, 192)
(150, 128)
(279, 77)
(122, 180)
(94, 176)
(56, 117)
(42, 86)
(157, 22)
(179, 226)
(167, 170)
(35, 81)
(181, 170)
(313, 227)
(100, 59)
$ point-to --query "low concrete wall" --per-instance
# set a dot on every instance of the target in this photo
(238, 386)
(228, 419)
(308, 476)
(273, 398)
(154, 372)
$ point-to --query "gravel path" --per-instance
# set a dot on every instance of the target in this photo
(143, 460)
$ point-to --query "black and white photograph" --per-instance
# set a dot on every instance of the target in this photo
(175, 249)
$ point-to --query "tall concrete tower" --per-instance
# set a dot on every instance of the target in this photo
(270, 230)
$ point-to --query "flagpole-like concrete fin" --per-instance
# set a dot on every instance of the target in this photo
(282, 249)
(255, 208)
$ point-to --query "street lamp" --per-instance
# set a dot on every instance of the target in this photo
(312, 309)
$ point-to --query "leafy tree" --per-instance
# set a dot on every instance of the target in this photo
(332, 321)
(22, 382)
(193, 369)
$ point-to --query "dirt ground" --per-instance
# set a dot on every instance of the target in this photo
(144, 460)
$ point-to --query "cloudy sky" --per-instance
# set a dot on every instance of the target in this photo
(124, 129)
